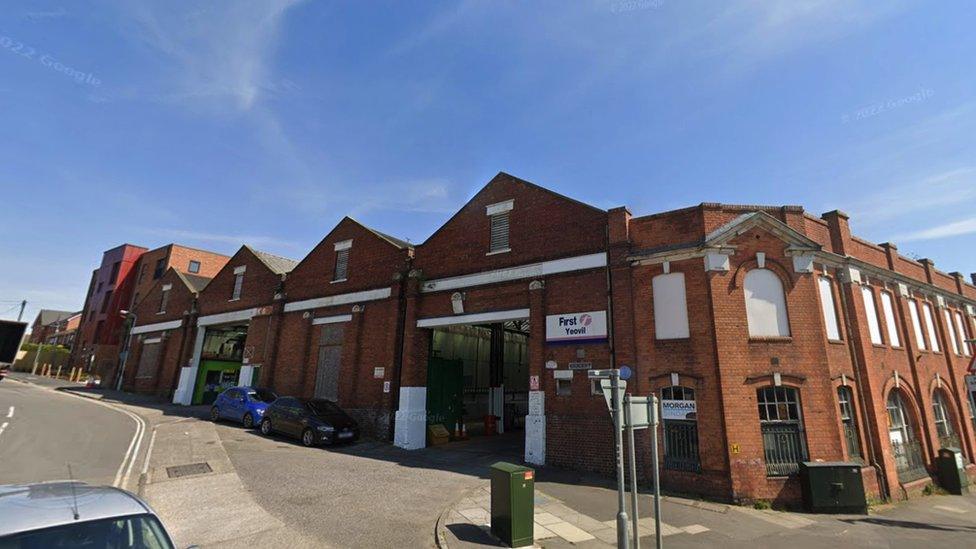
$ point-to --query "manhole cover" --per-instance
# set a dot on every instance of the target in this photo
(188, 470)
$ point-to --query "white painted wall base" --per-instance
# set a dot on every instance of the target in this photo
(535, 440)
(535, 429)
(246, 376)
(184, 389)
(410, 432)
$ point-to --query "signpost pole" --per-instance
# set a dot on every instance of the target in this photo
(623, 539)
(655, 416)
(632, 451)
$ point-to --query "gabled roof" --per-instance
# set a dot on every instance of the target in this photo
(401, 244)
(277, 264)
(500, 176)
(721, 236)
(50, 316)
(749, 220)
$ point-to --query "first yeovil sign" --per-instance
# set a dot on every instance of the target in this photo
(589, 327)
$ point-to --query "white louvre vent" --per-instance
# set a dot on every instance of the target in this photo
(499, 232)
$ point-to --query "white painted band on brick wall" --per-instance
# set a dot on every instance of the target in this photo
(158, 327)
(477, 318)
(569, 264)
(340, 299)
(221, 318)
(331, 319)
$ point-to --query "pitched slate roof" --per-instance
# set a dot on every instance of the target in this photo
(402, 244)
(277, 264)
(50, 316)
(194, 282)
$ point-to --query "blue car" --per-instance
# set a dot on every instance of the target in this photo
(243, 404)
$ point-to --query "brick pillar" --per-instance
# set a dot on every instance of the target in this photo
(537, 332)
(411, 420)
(870, 381)
(840, 230)
(351, 351)
(270, 350)
(929, 266)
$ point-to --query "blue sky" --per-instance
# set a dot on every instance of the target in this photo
(216, 123)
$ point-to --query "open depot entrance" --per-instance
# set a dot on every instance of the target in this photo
(477, 370)
(221, 358)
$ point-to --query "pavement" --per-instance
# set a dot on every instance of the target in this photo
(578, 510)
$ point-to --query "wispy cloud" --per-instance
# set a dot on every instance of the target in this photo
(359, 199)
(235, 240)
(220, 52)
(946, 188)
(946, 230)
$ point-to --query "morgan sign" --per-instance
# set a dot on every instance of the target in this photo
(590, 327)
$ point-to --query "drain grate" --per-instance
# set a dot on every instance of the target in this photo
(190, 469)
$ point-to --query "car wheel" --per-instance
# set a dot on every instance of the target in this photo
(214, 414)
(308, 437)
(248, 420)
(266, 427)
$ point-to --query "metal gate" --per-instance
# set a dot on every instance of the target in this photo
(329, 362)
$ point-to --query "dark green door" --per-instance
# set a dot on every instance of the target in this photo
(445, 384)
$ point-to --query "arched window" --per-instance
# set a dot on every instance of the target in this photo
(765, 304)
(680, 419)
(943, 423)
(782, 430)
(904, 445)
(846, 400)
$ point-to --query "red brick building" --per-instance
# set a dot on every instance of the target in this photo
(49, 322)
(126, 274)
(773, 336)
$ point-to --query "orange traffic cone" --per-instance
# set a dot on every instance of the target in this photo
(457, 430)
(464, 430)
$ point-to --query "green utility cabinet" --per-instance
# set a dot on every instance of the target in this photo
(512, 503)
(952, 471)
(832, 487)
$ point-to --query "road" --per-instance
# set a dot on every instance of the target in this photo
(44, 430)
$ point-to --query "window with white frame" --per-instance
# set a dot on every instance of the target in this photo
(341, 270)
(498, 216)
(670, 306)
(952, 332)
(930, 326)
(916, 324)
(829, 308)
(871, 310)
(238, 282)
(164, 298)
(765, 304)
(967, 348)
(887, 306)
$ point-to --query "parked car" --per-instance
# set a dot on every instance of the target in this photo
(73, 514)
(313, 421)
(243, 404)
(4, 370)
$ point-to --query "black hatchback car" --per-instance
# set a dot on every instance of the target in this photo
(314, 421)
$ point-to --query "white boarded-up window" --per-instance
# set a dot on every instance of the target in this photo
(765, 304)
(872, 313)
(916, 324)
(966, 346)
(670, 306)
(889, 314)
(930, 326)
(952, 332)
(829, 310)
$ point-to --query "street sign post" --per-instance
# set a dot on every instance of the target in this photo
(613, 390)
